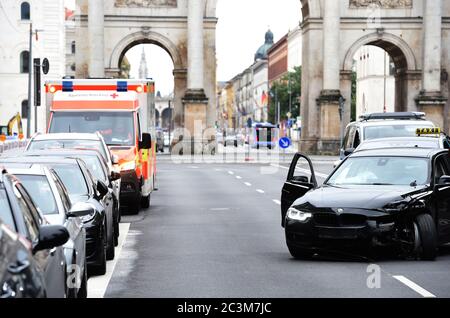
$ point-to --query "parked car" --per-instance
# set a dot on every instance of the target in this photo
(98, 168)
(50, 196)
(20, 276)
(78, 141)
(81, 188)
(380, 126)
(45, 241)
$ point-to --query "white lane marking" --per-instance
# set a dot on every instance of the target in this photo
(260, 191)
(238, 177)
(277, 202)
(248, 184)
(97, 285)
(318, 174)
(220, 209)
(194, 167)
(423, 292)
(231, 172)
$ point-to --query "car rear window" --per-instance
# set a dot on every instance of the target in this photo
(41, 193)
(73, 179)
(68, 144)
(5, 211)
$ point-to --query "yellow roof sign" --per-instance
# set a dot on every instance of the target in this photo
(428, 131)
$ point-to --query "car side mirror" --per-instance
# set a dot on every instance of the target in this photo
(51, 236)
(146, 142)
(102, 189)
(80, 209)
(300, 179)
(114, 176)
(444, 181)
(115, 159)
(349, 151)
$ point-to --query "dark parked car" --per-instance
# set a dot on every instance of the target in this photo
(382, 197)
(50, 196)
(47, 267)
(81, 188)
(98, 168)
(19, 274)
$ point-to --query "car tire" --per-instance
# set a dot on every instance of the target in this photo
(116, 224)
(428, 237)
(145, 201)
(101, 268)
(300, 253)
(110, 244)
(83, 291)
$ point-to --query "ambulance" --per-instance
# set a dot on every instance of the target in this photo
(123, 112)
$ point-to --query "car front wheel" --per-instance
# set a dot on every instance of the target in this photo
(427, 237)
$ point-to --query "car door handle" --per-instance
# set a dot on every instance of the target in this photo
(19, 267)
(53, 251)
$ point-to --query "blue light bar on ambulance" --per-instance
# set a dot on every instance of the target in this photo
(67, 86)
(122, 86)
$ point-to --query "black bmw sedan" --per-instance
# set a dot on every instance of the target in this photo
(386, 197)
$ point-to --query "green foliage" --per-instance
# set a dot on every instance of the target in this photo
(280, 93)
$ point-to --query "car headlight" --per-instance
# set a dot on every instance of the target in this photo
(298, 215)
(128, 166)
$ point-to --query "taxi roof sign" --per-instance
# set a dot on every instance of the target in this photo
(428, 131)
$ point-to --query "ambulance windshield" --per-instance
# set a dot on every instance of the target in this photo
(117, 128)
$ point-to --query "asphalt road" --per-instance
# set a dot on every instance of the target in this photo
(213, 230)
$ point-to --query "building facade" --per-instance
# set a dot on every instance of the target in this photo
(375, 82)
(278, 59)
(47, 16)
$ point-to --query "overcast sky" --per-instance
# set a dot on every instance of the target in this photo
(240, 32)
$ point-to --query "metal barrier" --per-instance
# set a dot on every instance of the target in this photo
(10, 145)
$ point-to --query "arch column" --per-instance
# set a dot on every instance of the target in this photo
(195, 101)
(328, 101)
(96, 27)
(431, 100)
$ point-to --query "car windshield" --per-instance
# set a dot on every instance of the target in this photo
(116, 128)
(73, 179)
(41, 193)
(381, 171)
(68, 144)
(5, 210)
(95, 167)
(395, 130)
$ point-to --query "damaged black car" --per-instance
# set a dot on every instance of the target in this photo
(396, 198)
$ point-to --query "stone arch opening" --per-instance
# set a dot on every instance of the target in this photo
(145, 38)
(404, 62)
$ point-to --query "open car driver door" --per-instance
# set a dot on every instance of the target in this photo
(299, 181)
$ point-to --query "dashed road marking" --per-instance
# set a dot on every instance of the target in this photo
(421, 291)
(248, 184)
(231, 172)
(277, 202)
(260, 191)
(97, 285)
(238, 177)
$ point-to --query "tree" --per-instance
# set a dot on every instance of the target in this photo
(279, 92)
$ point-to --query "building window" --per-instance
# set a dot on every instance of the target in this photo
(73, 47)
(25, 11)
(25, 109)
(24, 62)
